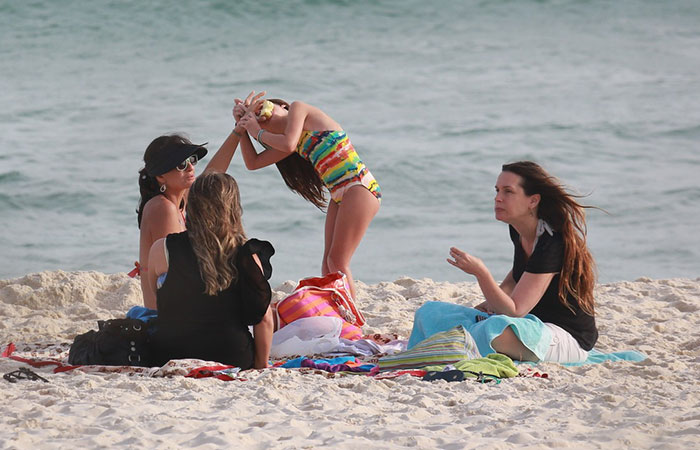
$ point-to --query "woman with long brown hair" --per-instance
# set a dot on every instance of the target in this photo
(553, 274)
(314, 154)
(211, 282)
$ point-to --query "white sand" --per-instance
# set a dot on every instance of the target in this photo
(652, 404)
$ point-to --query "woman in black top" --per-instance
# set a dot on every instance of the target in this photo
(553, 273)
(211, 283)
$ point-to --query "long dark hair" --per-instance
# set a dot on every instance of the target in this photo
(299, 174)
(215, 228)
(561, 211)
(148, 185)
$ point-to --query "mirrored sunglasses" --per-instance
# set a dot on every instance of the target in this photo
(183, 165)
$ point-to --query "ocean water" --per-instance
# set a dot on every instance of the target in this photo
(434, 95)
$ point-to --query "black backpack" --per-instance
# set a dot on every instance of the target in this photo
(117, 342)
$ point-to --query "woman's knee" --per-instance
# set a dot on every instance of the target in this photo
(508, 344)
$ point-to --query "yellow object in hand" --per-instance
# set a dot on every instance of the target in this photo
(266, 111)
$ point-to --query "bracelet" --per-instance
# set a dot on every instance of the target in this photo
(260, 135)
(237, 133)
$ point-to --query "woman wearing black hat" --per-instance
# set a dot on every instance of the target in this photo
(164, 183)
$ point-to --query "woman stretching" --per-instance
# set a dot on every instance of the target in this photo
(551, 282)
(312, 152)
(211, 283)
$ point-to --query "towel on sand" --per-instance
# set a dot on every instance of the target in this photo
(434, 317)
(494, 364)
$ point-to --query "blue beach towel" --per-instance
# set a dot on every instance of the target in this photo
(434, 317)
(596, 357)
(296, 362)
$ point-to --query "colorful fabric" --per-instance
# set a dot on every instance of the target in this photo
(296, 362)
(142, 313)
(494, 364)
(337, 367)
(397, 373)
(56, 356)
(222, 372)
(323, 296)
(382, 338)
(434, 317)
(336, 162)
(136, 271)
(446, 347)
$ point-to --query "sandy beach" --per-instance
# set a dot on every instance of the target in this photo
(650, 404)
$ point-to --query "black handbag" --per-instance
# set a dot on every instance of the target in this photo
(117, 342)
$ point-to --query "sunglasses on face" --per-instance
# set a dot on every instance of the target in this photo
(183, 165)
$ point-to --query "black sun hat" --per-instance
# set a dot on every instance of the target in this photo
(167, 157)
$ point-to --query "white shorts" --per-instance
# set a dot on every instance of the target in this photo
(564, 348)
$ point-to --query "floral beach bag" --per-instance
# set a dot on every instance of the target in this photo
(323, 296)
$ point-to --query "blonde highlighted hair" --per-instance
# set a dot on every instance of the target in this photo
(215, 229)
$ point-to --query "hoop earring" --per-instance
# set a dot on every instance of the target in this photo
(162, 188)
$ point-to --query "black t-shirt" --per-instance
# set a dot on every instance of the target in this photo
(192, 324)
(548, 257)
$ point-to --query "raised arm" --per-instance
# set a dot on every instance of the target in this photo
(288, 140)
(525, 294)
(222, 158)
(254, 160)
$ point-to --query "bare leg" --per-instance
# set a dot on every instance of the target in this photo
(509, 345)
(331, 214)
(355, 213)
(263, 339)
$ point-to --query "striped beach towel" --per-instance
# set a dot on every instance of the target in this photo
(446, 347)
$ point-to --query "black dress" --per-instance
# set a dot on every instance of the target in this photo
(192, 324)
(548, 257)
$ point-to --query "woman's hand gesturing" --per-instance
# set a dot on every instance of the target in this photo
(468, 263)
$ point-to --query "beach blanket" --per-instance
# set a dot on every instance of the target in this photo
(296, 362)
(56, 356)
(435, 317)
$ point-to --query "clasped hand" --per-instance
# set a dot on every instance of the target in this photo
(244, 111)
